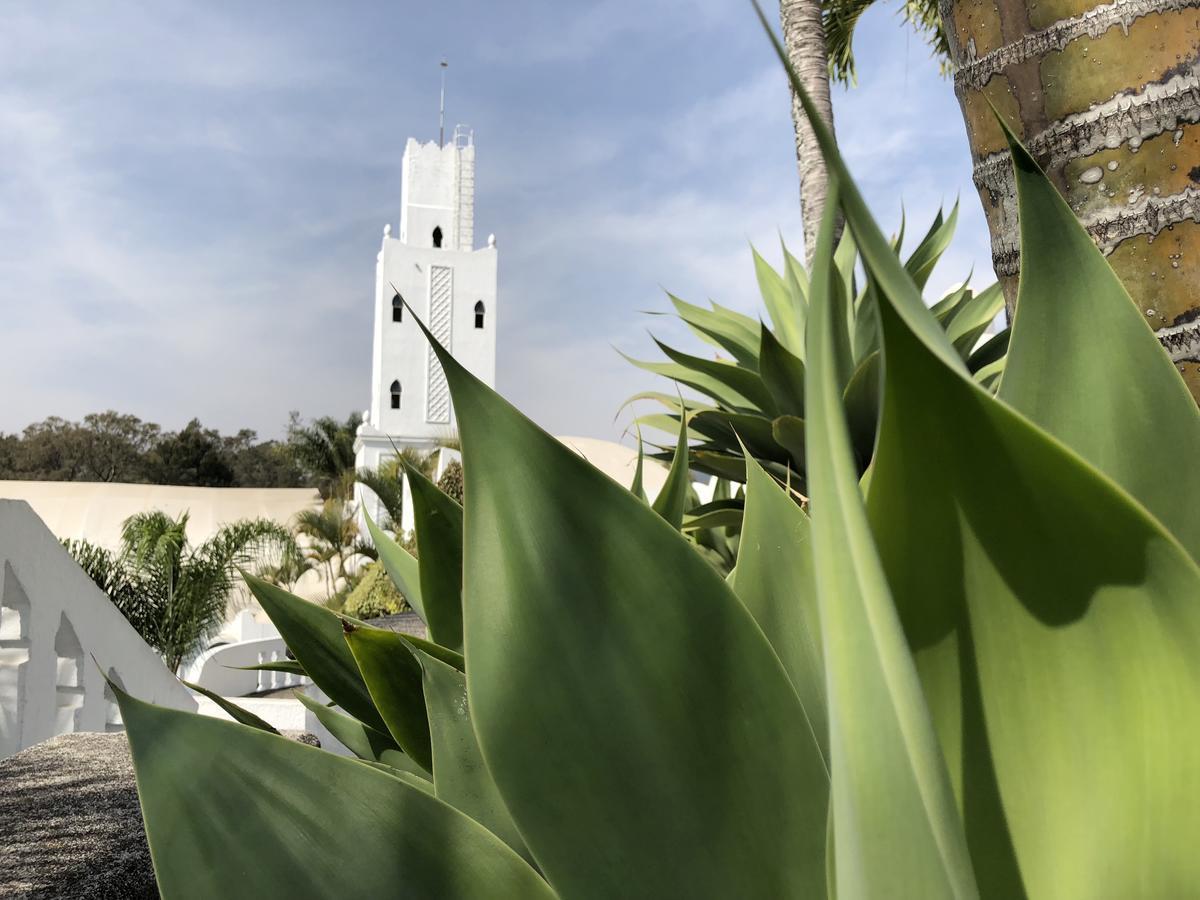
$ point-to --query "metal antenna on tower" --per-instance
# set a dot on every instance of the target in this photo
(442, 107)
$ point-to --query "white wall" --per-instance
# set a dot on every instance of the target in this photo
(57, 632)
(217, 668)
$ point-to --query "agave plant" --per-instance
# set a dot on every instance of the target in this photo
(972, 674)
(754, 393)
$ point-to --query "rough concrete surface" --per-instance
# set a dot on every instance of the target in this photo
(70, 824)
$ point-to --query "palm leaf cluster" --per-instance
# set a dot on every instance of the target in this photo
(177, 596)
(840, 18)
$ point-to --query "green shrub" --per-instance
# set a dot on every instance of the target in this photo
(451, 481)
(374, 595)
(976, 673)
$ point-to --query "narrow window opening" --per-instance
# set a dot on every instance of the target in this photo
(396, 394)
(397, 308)
(479, 314)
(437, 236)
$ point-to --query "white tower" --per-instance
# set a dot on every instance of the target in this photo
(434, 266)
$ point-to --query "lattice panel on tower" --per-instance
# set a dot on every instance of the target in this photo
(441, 305)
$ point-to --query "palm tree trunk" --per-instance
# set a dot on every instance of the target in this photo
(1107, 98)
(804, 38)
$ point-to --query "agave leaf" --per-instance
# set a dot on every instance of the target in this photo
(252, 818)
(992, 351)
(673, 496)
(668, 423)
(1077, 336)
(724, 517)
(861, 400)
(720, 465)
(290, 666)
(460, 777)
(973, 317)
(783, 304)
(730, 335)
(743, 382)
(697, 380)
(783, 374)
(314, 635)
(362, 740)
(402, 567)
(676, 760)
(1051, 640)
(438, 519)
(393, 677)
(896, 829)
(945, 308)
(774, 579)
(735, 318)
(797, 278)
(729, 428)
(235, 712)
(637, 488)
(789, 433)
(922, 261)
(1056, 641)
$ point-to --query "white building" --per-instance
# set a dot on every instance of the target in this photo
(435, 267)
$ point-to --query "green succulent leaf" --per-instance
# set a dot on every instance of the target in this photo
(314, 635)
(439, 521)
(921, 263)
(784, 304)
(731, 335)
(362, 740)
(674, 762)
(783, 374)
(237, 713)
(743, 382)
(284, 840)
(291, 666)
(774, 579)
(393, 676)
(896, 828)
(402, 567)
(672, 497)
(460, 777)
(1077, 336)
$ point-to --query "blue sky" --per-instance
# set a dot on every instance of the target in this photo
(191, 194)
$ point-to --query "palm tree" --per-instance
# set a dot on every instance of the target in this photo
(818, 35)
(175, 595)
(1105, 100)
(329, 538)
(387, 481)
(325, 450)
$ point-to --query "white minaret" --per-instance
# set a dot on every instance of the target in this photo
(434, 266)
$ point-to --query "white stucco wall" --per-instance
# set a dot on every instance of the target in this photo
(58, 631)
(218, 668)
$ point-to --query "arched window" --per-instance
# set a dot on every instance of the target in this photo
(479, 314)
(437, 236)
(396, 394)
(397, 308)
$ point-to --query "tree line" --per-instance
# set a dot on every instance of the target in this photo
(118, 447)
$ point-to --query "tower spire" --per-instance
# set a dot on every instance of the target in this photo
(442, 107)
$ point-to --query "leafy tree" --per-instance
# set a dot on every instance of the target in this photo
(260, 464)
(177, 596)
(194, 456)
(329, 539)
